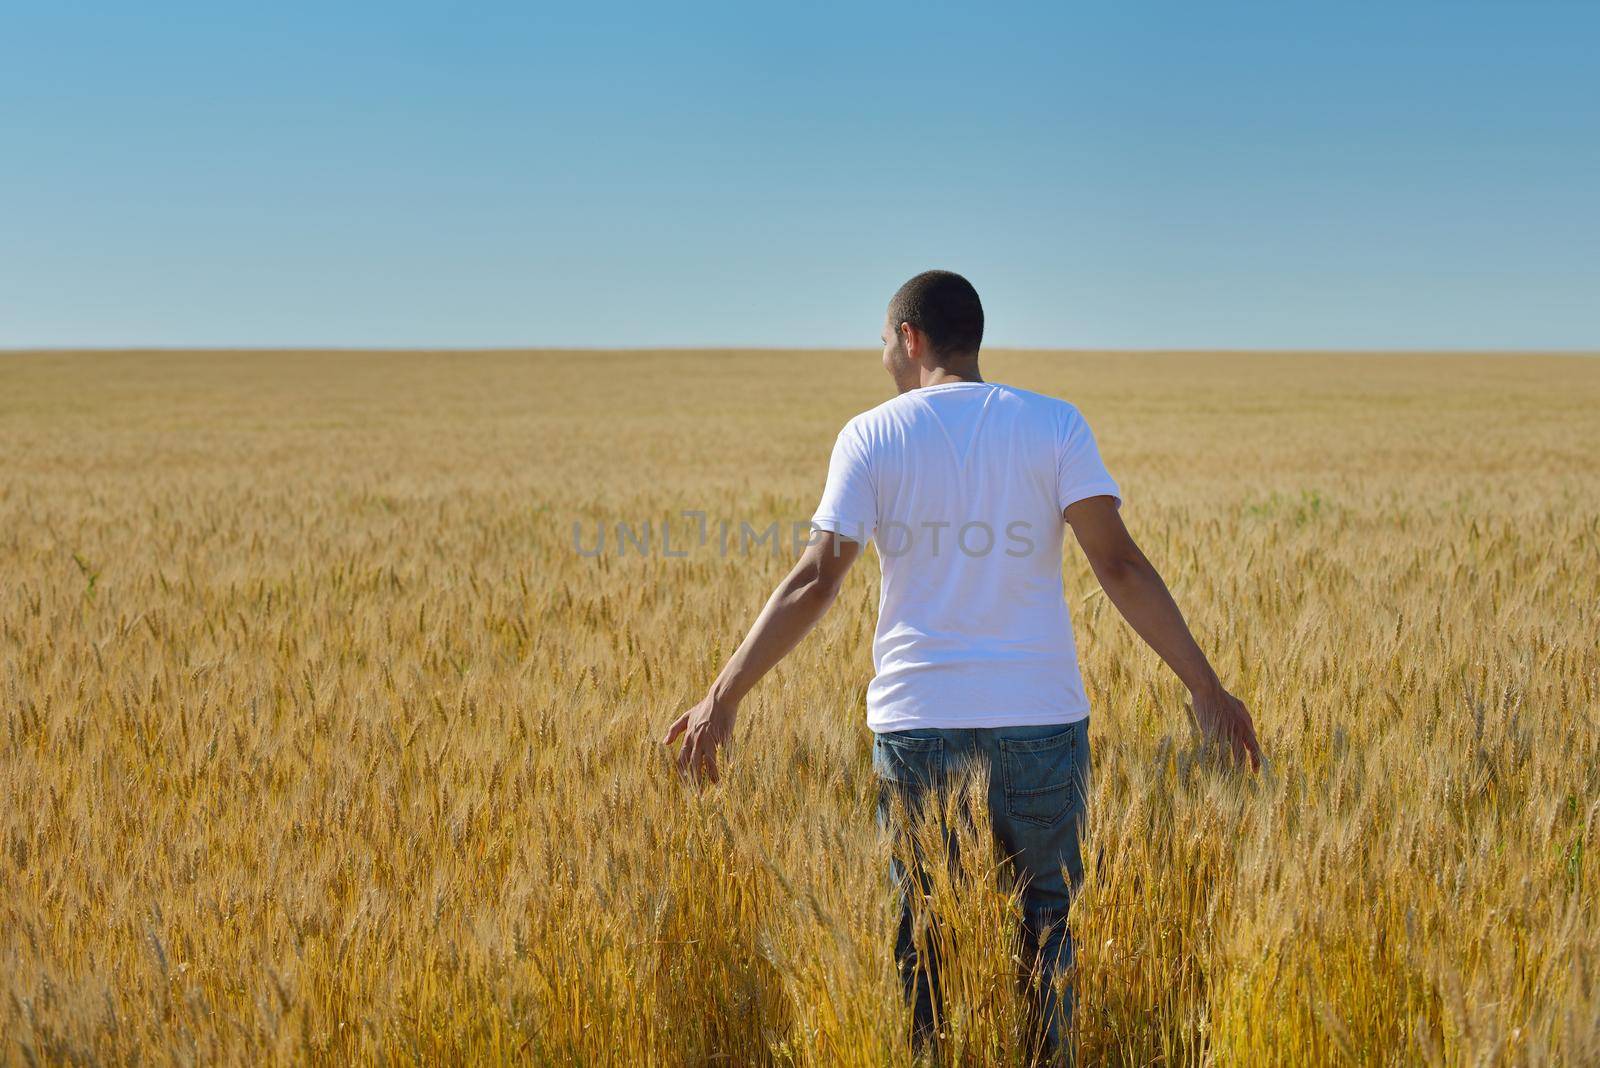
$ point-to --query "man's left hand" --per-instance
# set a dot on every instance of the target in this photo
(706, 726)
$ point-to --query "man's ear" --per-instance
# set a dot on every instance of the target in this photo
(911, 341)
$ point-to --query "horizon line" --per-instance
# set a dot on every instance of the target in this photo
(1224, 350)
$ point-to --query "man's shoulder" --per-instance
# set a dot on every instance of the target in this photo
(895, 409)
(1041, 402)
(905, 409)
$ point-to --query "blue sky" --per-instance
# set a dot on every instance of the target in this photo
(1109, 174)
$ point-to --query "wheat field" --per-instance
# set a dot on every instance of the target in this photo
(329, 738)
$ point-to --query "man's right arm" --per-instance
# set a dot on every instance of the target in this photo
(1136, 588)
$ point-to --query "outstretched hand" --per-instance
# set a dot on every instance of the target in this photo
(1223, 718)
(705, 726)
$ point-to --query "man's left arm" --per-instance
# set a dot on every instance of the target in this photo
(800, 600)
(1139, 593)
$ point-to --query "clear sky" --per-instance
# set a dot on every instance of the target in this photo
(1338, 174)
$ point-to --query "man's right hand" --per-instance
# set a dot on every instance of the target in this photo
(1224, 719)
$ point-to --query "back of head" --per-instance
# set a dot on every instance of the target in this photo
(945, 307)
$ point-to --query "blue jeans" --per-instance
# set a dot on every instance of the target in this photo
(1037, 796)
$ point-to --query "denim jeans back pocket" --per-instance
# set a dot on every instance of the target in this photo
(910, 760)
(1041, 776)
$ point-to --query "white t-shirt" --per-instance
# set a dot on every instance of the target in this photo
(960, 487)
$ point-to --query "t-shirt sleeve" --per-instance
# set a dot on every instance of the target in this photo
(849, 505)
(1080, 473)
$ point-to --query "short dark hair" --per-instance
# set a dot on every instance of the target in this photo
(944, 306)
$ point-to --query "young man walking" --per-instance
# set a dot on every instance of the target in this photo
(965, 487)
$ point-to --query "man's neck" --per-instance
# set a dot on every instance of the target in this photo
(941, 376)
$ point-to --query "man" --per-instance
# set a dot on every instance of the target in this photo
(965, 486)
